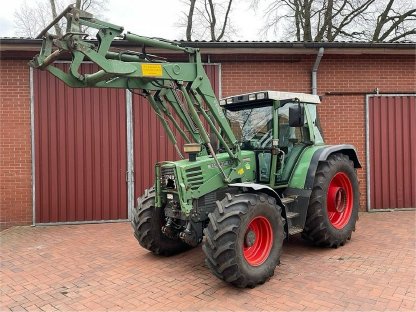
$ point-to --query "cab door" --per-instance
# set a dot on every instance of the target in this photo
(292, 142)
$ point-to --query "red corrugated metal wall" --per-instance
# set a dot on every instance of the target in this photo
(151, 144)
(80, 151)
(392, 148)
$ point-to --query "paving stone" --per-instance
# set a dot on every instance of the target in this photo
(102, 267)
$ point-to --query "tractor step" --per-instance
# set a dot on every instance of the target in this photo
(287, 200)
(295, 230)
(291, 215)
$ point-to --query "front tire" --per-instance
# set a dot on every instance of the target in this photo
(147, 222)
(334, 203)
(244, 238)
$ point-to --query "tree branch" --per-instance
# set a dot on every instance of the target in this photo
(58, 30)
(403, 35)
(225, 21)
(189, 18)
(395, 24)
(213, 19)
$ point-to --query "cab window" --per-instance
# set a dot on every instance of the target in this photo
(290, 136)
(252, 126)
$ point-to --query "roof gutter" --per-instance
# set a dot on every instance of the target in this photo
(250, 44)
(315, 70)
(27, 48)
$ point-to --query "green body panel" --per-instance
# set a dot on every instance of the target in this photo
(200, 177)
(291, 163)
(310, 121)
(275, 135)
(300, 171)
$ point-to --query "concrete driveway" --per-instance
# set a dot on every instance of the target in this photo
(102, 267)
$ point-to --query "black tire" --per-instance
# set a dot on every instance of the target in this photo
(147, 222)
(328, 222)
(226, 234)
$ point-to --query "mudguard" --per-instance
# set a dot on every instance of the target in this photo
(267, 190)
(259, 187)
(323, 153)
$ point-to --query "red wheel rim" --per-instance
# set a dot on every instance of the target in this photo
(258, 241)
(339, 200)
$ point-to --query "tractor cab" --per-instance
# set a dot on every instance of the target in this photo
(273, 124)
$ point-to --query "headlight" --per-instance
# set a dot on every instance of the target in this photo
(169, 182)
(167, 178)
(261, 96)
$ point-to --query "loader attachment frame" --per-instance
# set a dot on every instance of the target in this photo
(181, 89)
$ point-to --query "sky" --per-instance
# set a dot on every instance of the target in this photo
(149, 18)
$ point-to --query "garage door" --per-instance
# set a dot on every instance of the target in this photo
(80, 151)
(392, 151)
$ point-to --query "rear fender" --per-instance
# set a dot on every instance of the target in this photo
(254, 187)
(322, 154)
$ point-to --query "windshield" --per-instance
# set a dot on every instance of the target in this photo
(252, 125)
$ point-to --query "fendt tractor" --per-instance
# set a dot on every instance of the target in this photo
(257, 169)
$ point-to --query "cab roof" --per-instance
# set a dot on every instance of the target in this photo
(281, 96)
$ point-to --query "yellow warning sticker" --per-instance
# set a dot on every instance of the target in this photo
(152, 70)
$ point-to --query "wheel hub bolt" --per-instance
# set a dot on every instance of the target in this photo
(250, 238)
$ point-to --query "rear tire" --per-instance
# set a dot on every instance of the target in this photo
(334, 202)
(244, 238)
(147, 224)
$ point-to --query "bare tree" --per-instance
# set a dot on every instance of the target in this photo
(31, 18)
(329, 20)
(189, 20)
(207, 19)
(54, 15)
(396, 22)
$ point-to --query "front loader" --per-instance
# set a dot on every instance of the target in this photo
(256, 169)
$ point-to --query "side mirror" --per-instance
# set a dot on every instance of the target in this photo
(296, 116)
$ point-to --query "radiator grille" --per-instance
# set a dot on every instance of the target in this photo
(167, 171)
(194, 177)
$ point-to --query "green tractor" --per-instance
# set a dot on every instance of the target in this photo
(257, 168)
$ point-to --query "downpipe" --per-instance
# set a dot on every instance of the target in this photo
(315, 71)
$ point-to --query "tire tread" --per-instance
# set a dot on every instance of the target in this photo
(317, 228)
(148, 236)
(220, 238)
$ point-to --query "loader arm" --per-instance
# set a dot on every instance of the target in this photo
(181, 88)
